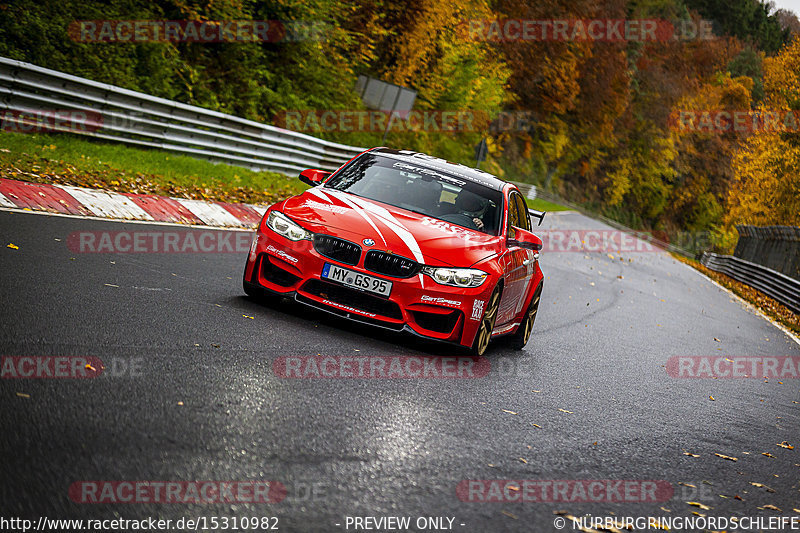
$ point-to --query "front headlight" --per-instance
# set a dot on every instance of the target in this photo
(456, 277)
(280, 224)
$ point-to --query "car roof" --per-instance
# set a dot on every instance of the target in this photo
(473, 175)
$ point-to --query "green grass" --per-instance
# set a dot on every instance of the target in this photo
(543, 205)
(75, 160)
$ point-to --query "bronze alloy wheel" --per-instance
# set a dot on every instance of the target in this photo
(525, 329)
(484, 334)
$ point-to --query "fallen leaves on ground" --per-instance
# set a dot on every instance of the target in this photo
(700, 505)
(691, 454)
(769, 306)
(728, 457)
(12, 246)
(565, 411)
(786, 445)
(48, 170)
(23, 395)
(762, 486)
(771, 508)
(509, 412)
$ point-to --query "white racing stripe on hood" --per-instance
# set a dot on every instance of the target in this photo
(387, 218)
(401, 231)
(319, 194)
(359, 210)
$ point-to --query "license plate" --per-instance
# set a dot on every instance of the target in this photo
(356, 280)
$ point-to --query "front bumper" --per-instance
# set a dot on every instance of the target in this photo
(417, 305)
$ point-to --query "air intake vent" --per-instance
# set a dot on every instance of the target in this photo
(390, 264)
(337, 249)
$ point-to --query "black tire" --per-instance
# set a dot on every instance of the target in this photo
(523, 333)
(484, 334)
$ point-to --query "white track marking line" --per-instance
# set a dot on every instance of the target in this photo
(107, 203)
(260, 209)
(211, 214)
(5, 202)
(21, 211)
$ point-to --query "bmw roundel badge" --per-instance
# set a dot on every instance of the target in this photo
(368, 242)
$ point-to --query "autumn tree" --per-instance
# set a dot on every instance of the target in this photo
(766, 186)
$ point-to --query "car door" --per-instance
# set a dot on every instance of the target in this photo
(527, 256)
(514, 261)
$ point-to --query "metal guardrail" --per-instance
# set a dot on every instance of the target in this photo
(782, 288)
(775, 247)
(138, 119)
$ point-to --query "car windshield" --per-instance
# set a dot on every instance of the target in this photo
(423, 190)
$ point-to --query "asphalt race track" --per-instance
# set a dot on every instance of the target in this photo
(189, 393)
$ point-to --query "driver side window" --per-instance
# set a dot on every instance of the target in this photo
(524, 216)
(513, 215)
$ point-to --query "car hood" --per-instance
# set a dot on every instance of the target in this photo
(422, 238)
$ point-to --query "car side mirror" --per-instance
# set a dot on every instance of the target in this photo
(314, 176)
(525, 239)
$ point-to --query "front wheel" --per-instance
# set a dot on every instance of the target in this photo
(484, 334)
(523, 334)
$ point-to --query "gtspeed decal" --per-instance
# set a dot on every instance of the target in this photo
(281, 254)
(477, 309)
(438, 300)
(429, 172)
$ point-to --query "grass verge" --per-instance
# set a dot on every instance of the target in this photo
(73, 160)
(543, 205)
(769, 306)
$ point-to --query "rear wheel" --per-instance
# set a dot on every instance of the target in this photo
(520, 338)
(484, 334)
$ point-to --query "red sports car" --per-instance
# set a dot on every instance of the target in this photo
(405, 241)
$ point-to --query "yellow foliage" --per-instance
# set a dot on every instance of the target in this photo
(766, 187)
